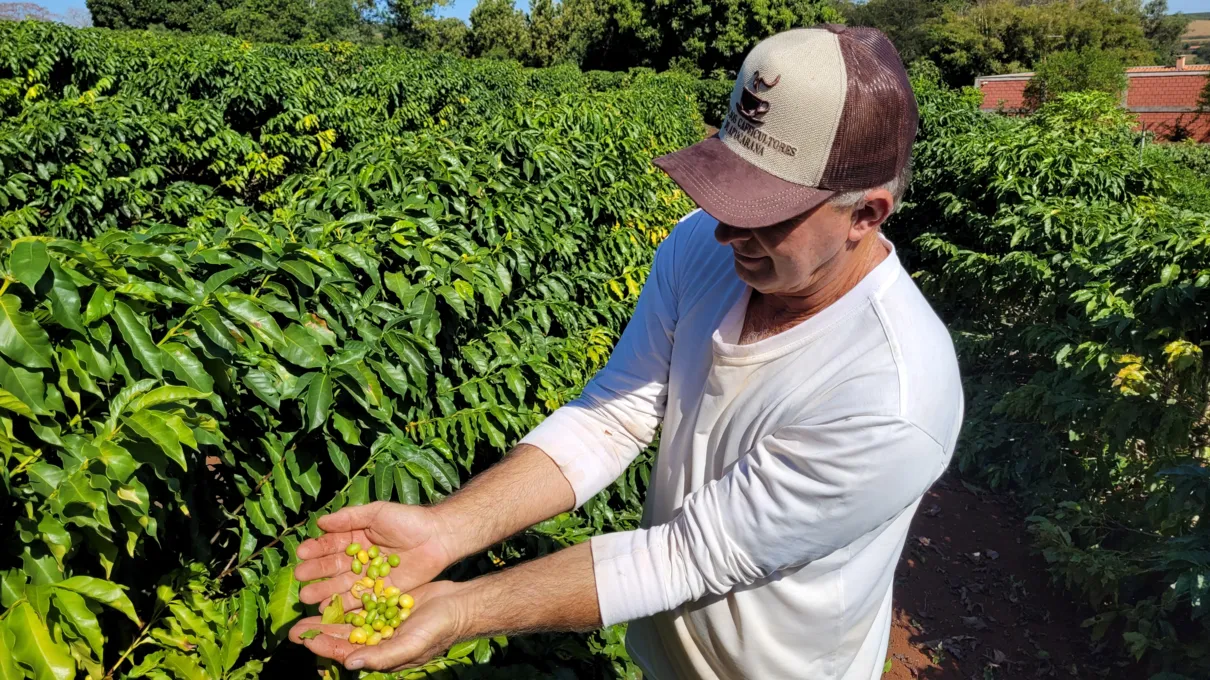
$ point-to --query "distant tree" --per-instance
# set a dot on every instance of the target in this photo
(448, 34)
(262, 20)
(1076, 71)
(405, 17)
(1004, 36)
(1163, 30)
(1203, 52)
(498, 30)
(906, 22)
(21, 11)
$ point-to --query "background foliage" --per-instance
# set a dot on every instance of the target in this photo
(1072, 262)
(246, 285)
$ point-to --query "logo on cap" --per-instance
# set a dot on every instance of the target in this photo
(751, 105)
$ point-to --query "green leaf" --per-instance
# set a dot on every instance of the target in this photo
(319, 400)
(283, 608)
(260, 322)
(155, 426)
(233, 643)
(73, 608)
(65, 300)
(21, 338)
(9, 401)
(184, 667)
(1169, 273)
(26, 386)
(349, 432)
(105, 592)
(339, 459)
(285, 488)
(453, 300)
(12, 587)
(99, 305)
(301, 348)
(307, 635)
(406, 487)
(28, 262)
(184, 364)
(8, 663)
(56, 538)
(211, 324)
(134, 330)
(34, 647)
(219, 279)
(247, 542)
(335, 611)
(268, 502)
(166, 395)
(247, 614)
(298, 270)
(383, 483)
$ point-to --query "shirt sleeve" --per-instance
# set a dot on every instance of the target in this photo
(800, 494)
(594, 437)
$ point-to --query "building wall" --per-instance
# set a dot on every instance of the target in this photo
(1163, 99)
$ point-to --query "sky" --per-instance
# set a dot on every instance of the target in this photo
(462, 8)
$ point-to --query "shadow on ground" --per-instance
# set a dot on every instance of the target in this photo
(973, 603)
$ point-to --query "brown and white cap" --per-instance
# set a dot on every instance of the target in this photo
(814, 112)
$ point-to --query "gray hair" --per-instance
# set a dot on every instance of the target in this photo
(897, 187)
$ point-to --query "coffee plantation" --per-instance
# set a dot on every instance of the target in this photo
(246, 285)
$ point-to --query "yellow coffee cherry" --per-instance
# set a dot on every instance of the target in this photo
(406, 601)
(390, 591)
(358, 636)
(374, 639)
(386, 632)
(403, 615)
(367, 582)
(378, 586)
(363, 556)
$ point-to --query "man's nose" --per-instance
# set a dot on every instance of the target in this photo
(727, 234)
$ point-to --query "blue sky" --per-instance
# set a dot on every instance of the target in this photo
(462, 8)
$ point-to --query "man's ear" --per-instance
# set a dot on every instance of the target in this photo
(871, 213)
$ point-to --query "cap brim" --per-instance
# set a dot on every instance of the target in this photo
(733, 190)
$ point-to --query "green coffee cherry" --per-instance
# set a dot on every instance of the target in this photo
(396, 622)
(393, 601)
(377, 624)
(358, 620)
(391, 612)
(366, 599)
(393, 560)
(377, 560)
(373, 551)
(368, 629)
(356, 566)
(352, 549)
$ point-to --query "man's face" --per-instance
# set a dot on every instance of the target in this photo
(788, 258)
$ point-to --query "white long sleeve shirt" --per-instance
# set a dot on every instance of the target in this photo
(788, 469)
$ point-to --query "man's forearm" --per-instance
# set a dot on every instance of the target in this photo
(524, 488)
(554, 593)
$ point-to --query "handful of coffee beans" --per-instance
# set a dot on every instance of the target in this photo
(383, 607)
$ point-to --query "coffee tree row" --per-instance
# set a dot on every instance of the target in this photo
(1072, 260)
(370, 317)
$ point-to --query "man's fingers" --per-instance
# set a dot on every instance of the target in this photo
(352, 518)
(322, 591)
(398, 652)
(323, 567)
(330, 543)
(331, 647)
(314, 623)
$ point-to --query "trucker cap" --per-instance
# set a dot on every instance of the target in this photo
(814, 112)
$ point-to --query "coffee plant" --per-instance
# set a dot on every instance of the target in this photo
(244, 286)
(1072, 263)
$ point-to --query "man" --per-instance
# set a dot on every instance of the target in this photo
(809, 397)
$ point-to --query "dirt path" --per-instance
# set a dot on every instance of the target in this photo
(973, 603)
